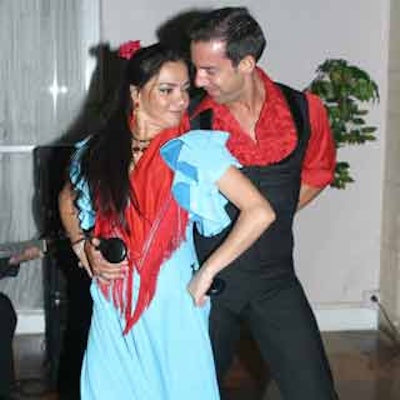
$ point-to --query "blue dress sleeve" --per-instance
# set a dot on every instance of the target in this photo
(86, 213)
(199, 158)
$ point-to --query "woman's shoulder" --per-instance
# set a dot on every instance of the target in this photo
(198, 159)
(200, 148)
(204, 137)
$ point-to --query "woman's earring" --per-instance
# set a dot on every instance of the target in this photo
(136, 109)
(134, 116)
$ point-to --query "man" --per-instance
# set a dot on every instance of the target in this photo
(9, 266)
(291, 158)
(8, 323)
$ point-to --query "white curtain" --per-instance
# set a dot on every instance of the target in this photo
(45, 67)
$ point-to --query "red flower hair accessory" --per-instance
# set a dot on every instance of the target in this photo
(128, 49)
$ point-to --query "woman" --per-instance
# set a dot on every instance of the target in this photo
(142, 180)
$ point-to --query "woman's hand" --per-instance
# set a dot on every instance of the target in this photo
(99, 267)
(199, 285)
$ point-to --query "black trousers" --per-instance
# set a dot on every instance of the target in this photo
(8, 322)
(79, 315)
(285, 330)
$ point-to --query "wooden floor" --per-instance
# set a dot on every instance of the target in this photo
(366, 366)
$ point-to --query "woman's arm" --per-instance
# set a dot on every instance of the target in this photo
(256, 215)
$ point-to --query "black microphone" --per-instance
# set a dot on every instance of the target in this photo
(112, 249)
(217, 287)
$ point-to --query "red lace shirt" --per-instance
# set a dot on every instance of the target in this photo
(276, 135)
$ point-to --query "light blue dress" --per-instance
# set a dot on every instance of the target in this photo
(167, 354)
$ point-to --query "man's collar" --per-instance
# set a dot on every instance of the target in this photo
(209, 102)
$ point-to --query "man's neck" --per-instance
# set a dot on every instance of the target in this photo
(247, 108)
(252, 95)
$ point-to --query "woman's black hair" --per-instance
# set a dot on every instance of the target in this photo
(107, 156)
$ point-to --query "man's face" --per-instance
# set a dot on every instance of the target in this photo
(215, 73)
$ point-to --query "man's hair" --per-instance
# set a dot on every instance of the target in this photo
(234, 26)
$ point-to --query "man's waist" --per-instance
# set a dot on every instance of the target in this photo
(244, 285)
(262, 267)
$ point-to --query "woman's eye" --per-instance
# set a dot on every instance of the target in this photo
(166, 90)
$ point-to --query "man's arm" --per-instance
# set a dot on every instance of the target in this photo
(85, 249)
(320, 158)
(28, 254)
(307, 194)
(70, 222)
(69, 214)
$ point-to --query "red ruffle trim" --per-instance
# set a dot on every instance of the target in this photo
(275, 130)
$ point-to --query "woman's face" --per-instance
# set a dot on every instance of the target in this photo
(164, 99)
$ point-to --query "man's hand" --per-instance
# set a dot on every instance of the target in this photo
(307, 195)
(28, 254)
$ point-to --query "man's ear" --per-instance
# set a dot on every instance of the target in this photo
(247, 64)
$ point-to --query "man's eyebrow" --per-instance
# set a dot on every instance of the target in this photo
(207, 68)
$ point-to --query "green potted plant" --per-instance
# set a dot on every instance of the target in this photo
(345, 89)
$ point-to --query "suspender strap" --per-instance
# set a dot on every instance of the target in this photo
(298, 105)
(202, 120)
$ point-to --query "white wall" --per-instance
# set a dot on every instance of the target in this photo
(390, 256)
(338, 237)
(42, 91)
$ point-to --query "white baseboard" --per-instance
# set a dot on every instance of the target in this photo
(329, 319)
(341, 318)
(30, 322)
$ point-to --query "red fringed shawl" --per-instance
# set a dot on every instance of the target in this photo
(155, 228)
